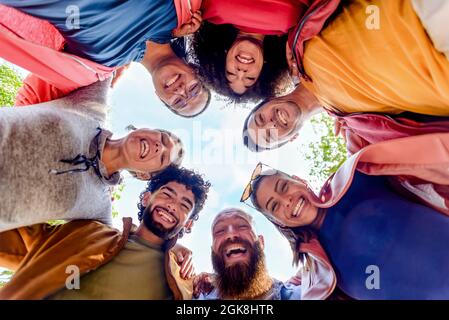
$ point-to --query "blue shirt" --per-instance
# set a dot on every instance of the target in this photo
(406, 241)
(279, 291)
(110, 32)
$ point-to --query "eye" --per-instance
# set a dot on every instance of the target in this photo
(186, 208)
(275, 207)
(284, 187)
(251, 78)
(243, 227)
(179, 103)
(219, 232)
(166, 194)
(230, 73)
(195, 89)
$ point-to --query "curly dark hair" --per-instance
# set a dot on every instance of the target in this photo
(191, 180)
(209, 48)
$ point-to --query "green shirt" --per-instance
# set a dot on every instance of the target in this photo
(137, 272)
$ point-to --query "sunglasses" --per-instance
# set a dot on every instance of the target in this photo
(257, 172)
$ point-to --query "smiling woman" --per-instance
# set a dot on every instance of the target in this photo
(143, 152)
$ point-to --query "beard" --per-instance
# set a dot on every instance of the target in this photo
(155, 227)
(237, 279)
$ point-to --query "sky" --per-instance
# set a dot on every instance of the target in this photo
(214, 148)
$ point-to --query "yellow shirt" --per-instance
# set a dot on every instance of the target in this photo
(137, 272)
(389, 70)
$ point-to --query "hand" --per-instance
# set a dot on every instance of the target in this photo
(202, 284)
(118, 74)
(189, 27)
(184, 259)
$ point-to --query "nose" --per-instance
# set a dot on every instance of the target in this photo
(241, 71)
(181, 90)
(231, 233)
(271, 124)
(287, 201)
(171, 207)
(159, 147)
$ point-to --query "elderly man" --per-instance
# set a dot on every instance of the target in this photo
(240, 267)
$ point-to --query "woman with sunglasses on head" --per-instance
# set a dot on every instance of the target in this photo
(381, 211)
(240, 47)
(57, 162)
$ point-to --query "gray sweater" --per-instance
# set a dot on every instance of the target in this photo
(33, 140)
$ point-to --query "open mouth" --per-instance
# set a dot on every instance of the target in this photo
(245, 59)
(165, 215)
(235, 250)
(282, 116)
(144, 148)
(297, 209)
(172, 80)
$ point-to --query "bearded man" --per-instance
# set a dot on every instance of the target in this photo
(240, 268)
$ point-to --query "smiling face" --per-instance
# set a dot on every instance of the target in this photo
(148, 151)
(233, 239)
(277, 121)
(167, 209)
(288, 201)
(244, 63)
(178, 86)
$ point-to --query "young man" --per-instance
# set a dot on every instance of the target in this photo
(277, 121)
(133, 264)
(57, 161)
(92, 49)
(239, 264)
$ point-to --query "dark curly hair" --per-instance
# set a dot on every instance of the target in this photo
(191, 180)
(209, 48)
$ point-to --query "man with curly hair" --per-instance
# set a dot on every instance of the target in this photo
(86, 259)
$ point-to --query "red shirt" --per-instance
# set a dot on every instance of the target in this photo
(268, 17)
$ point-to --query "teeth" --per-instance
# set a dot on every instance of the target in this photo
(245, 60)
(298, 207)
(166, 216)
(172, 80)
(282, 118)
(145, 148)
(232, 248)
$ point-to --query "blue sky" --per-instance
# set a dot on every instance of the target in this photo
(214, 148)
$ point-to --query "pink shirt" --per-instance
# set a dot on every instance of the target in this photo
(269, 17)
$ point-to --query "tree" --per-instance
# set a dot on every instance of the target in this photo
(5, 275)
(328, 153)
(116, 195)
(10, 82)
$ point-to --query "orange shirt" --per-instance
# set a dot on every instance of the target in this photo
(388, 70)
